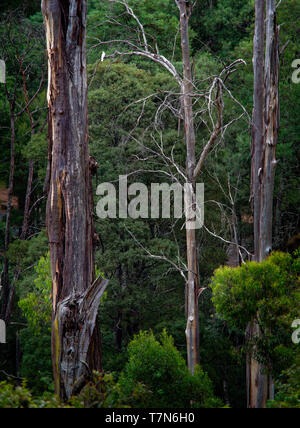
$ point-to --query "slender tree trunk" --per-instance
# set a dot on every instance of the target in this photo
(192, 292)
(76, 296)
(265, 131)
(27, 200)
(5, 280)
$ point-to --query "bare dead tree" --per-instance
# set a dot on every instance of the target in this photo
(213, 107)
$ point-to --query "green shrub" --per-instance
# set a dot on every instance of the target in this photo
(19, 397)
(12, 397)
(37, 306)
(160, 367)
(267, 293)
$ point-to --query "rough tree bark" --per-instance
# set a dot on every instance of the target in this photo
(76, 346)
(260, 386)
(192, 292)
(272, 122)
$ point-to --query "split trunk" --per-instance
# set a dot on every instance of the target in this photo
(76, 295)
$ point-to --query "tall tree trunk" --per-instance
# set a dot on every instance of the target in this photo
(76, 295)
(265, 131)
(5, 280)
(258, 128)
(192, 292)
(271, 134)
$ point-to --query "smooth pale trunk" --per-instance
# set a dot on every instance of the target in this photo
(260, 387)
(192, 287)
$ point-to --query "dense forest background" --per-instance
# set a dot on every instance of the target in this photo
(144, 303)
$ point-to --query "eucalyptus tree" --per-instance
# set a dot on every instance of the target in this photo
(141, 44)
(265, 135)
(76, 346)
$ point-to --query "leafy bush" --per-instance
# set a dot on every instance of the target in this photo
(19, 397)
(267, 293)
(37, 306)
(14, 397)
(269, 288)
(35, 340)
(161, 368)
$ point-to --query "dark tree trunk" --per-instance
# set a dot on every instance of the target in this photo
(272, 120)
(27, 200)
(192, 292)
(76, 296)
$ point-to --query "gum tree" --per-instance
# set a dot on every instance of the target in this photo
(76, 347)
(264, 141)
(137, 44)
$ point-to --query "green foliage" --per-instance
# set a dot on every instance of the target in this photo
(159, 366)
(268, 293)
(37, 150)
(222, 24)
(19, 397)
(14, 397)
(160, 19)
(36, 364)
(37, 305)
(269, 288)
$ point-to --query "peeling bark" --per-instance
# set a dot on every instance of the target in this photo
(265, 133)
(75, 336)
(271, 133)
